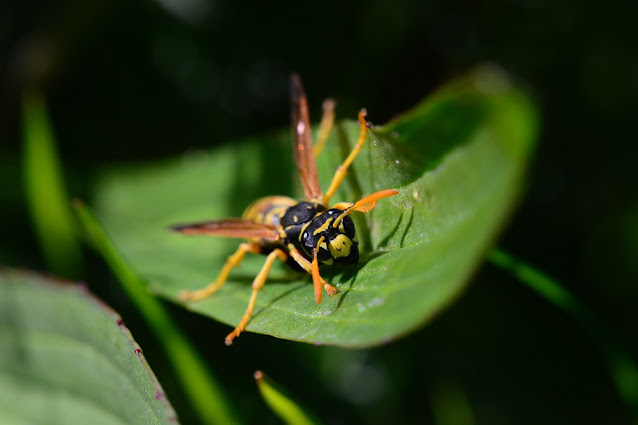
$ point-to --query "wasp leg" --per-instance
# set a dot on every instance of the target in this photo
(258, 283)
(342, 170)
(317, 280)
(316, 277)
(327, 120)
(233, 261)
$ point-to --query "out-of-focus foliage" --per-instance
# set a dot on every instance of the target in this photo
(135, 81)
(66, 358)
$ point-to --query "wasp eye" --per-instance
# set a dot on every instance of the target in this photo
(347, 227)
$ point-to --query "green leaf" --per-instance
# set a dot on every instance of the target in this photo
(200, 386)
(458, 160)
(66, 358)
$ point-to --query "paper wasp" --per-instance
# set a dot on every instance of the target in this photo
(304, 233)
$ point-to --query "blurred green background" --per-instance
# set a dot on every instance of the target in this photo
(130, 82)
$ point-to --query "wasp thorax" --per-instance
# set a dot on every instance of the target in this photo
(339, 245)
(300, 214)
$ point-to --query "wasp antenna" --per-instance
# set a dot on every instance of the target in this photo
(364, 204)
(178, 228)
(367, 203)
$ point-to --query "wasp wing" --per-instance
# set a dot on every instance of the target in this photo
(229, 228)
(302, 141)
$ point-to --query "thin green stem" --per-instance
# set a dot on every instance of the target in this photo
(203, 390)
(621, 367)
(45, 190)
(450, 404)
(283, 406)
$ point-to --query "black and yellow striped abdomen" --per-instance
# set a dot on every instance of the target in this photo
(268, 210)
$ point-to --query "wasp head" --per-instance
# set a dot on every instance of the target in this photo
(339, 245)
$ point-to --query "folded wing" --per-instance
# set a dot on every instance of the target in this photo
(302, 141)
(229, 228)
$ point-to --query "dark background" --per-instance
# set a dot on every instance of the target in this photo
(130, 81)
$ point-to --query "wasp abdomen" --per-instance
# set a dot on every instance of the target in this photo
(268, 210)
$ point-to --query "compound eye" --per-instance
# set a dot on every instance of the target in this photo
(347, 227)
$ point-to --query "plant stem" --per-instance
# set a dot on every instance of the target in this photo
(286, 408)
(45, 190)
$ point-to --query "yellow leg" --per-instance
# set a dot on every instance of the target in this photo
(258, 283)
(316, 277)
(232, 261)
(317, 280)
(342, 170)
(327, 120)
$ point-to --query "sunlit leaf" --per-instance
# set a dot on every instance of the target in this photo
(458, 160)
(66, 358)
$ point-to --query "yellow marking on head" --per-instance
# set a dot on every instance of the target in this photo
(340, 218)
(324, 246)
(340, 246)
(323, 227)
(295, 219)
(328, 262)
(341, 228)
(303, 229)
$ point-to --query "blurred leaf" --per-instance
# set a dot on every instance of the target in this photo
(280, 403)
(66, 358)
(45, 190)
(458, 160)
(200, 386)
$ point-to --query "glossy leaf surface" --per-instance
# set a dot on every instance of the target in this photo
(458, 160)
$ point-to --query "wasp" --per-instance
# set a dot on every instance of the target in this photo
(304, 233)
